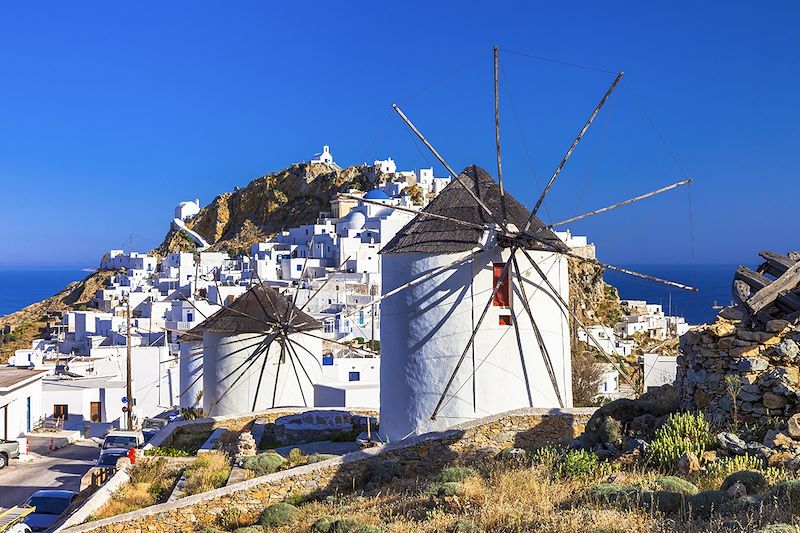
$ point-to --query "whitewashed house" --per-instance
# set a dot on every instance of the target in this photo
(20, 401)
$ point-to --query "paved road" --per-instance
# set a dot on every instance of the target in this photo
(62, 469)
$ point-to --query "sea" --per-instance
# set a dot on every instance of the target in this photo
(713, 281)
(21, 287)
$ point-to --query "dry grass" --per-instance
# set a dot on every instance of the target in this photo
(514, 500)
(152, 481)
(210, 471)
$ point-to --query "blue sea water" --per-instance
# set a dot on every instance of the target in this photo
(21, 287)
(714, 282)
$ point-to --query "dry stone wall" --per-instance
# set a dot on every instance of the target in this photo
(419, 457)
(731, 370)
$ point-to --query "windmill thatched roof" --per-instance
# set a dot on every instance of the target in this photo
(436, 236)
(255, 311)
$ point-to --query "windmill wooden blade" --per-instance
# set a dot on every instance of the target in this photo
(497, 133)
(574, 144)
(620, 204)
(450, 381)
(278, 373)
(416, 281)
(302, 274)
(577, 320)
(340, 343)
(260, 347)
(300, 361)
(632, 272)
(294, 367)
(422, 138)
(260, 378)
(515, 270)
(415, 212)
(548, 362)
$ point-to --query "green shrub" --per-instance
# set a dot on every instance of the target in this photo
(718, 471)
(547, 456)
(322, 525)
(209, 471)
(681, 433)
(444, 488)
(750, 504)
(785, 495)
(676, 484)
(663, 501)
(753, 481)
(704, 504)
(296, 456)
(462, 525)
(350, 525)
(609, 493)
(579, 463)
(208, 529)
(231, 518)
(278, 515)
(249, 529)
(167, 452)
(456, 473)
(264, 463)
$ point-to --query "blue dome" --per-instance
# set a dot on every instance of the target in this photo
(376, 194)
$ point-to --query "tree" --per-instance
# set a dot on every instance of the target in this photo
(587, 374)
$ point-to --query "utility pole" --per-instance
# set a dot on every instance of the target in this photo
(129, 364)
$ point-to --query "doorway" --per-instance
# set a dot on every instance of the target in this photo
(95, 411)
(60, 411)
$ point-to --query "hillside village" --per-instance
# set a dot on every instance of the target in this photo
(331, 269)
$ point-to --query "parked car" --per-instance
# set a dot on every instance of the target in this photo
(151, 426)
(109, 457)
(49, 505)
(9, 449)
(123, 439)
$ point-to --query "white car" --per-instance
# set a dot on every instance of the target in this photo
(123, 439)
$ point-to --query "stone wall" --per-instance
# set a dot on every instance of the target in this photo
(729, 360)
(417, 457)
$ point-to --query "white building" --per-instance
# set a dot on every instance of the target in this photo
(186, 210)
(20, 401)
(324, 156)
(425, 328)
(658, 369)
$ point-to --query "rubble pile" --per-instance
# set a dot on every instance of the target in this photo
(732, 371)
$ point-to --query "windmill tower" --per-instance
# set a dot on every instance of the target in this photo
(424, 332)
(259, 352)
(475, 301)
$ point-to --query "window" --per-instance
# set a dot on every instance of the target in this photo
(189, 317)
(327, 360)
(354, 376)
(502, 297)
(299, 268)
(505, 320)
(328, 326)
(361, 318)
(61, 411)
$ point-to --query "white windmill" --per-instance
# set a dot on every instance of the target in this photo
(474, 312)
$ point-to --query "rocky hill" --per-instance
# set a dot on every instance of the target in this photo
(268, 204)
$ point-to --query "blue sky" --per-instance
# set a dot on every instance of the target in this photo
(110, 115)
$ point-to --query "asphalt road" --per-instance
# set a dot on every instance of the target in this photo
(62, 469)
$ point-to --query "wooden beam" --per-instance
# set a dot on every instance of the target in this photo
(775, 264)
(778, 289)
(497, 132)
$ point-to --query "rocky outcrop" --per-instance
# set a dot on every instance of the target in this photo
(733, 371)
(592, 299)
(291, 197)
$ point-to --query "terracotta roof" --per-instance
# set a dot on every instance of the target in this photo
(254, 312)
(12, 377)
(436, 236)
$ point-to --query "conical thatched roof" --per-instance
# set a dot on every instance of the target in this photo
(436, 236)
(255, 311)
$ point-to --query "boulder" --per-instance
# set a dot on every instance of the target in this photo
(750, 504)
(663, 501)
(793, 425)
(773, 401)
(787, 348)
(751, 364)
(721, 329)
(737, 490)
(704, 504)
(753, 481)
(776, 325)
(731, 443)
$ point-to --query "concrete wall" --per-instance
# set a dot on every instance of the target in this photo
(423, 456)
(14, 410)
